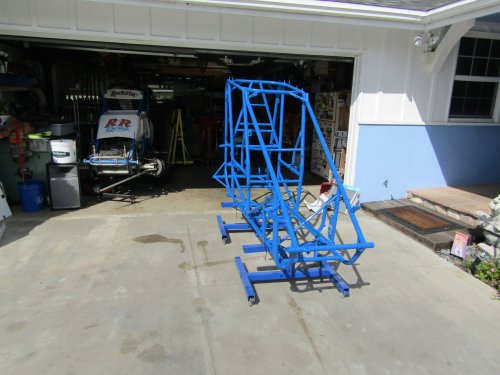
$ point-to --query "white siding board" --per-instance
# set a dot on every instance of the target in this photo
(236, 28)
(130, 19)
(394, 74)
(324, 35)
(53, 14)
(444, 82)
(418, 89)
(297, 33)
(15, 12)
(370, 82)
(267, 30)
(390, 108)
(91, 16)
(168, 23)
(396, 62)
(203, 26)
(394, 86)
(368, 113)
(408, 110)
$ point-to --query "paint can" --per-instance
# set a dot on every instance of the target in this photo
(63, 151)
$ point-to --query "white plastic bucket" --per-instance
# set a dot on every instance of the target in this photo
(63, 151)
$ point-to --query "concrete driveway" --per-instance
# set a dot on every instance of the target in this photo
(149, 288)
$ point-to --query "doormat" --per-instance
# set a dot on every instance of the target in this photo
(418, 220)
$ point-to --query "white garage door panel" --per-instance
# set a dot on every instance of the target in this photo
(131, 19)
(267, 30)
(297, 33)
(202, 25)
(54, 13)
(235, 28)
(15, 12)
(324, 35)
(168, 23)
(350, 37)
(93, 16)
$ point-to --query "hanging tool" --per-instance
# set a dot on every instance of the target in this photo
(21, 155)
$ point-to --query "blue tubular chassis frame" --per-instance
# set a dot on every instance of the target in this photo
(263, 176)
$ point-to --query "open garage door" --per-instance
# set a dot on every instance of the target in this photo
(64, 81)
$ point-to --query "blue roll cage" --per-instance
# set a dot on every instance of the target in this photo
(263, 176)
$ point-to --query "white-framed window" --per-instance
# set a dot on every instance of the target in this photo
(477, 79)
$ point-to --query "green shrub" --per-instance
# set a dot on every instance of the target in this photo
(468, 265)
(488, 271)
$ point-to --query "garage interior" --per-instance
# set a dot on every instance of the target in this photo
(46, 83)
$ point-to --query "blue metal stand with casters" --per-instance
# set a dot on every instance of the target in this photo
(263, 176)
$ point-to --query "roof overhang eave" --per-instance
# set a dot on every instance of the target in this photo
(459, 12)
(310, 10)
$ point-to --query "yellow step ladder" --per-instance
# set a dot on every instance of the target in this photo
(178, 138)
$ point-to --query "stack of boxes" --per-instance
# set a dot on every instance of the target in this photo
(340, 145)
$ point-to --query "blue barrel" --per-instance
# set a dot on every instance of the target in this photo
(31, 194)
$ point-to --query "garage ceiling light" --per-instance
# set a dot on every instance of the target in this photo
(229, 61)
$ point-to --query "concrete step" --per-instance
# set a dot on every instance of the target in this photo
(457, 202)
(461, 216)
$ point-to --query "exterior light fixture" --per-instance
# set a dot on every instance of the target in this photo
(433, 39)
(418, 40)
(428, 39)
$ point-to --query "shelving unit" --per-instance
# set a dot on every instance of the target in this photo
(332, 111)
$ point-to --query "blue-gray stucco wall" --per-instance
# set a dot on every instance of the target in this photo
(392, 159)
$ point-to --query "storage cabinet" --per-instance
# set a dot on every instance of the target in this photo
(64, 186)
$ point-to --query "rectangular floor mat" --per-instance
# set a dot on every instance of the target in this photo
(418, 220)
